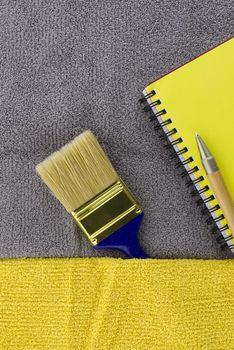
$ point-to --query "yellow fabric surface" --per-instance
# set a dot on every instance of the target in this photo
(104, 303)
(198, 97)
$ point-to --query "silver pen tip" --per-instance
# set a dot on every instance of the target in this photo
(207, 159)
(203, 149)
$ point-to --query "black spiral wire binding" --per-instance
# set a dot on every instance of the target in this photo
(158, 126)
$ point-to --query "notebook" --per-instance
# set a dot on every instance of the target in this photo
(198, 97)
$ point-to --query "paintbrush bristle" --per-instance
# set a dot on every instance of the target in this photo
(77, 172)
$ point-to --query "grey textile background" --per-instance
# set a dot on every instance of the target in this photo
(71, 65)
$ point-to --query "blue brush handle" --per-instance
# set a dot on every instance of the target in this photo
(125, 239)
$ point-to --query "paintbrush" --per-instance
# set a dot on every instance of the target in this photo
(82, 178)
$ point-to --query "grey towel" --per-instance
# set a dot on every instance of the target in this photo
(67, 66)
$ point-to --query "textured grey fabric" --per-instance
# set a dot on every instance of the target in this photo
(71, 65)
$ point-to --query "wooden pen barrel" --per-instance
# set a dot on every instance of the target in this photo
(223, 196)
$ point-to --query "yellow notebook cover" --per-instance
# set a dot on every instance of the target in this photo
(198, 97)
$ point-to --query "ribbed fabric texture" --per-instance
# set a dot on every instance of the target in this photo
(103, 303)
(71, 65)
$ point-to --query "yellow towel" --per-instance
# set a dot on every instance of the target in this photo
(104, 303)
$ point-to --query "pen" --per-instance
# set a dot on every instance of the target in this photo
(217, 182)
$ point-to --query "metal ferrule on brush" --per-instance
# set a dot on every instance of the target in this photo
(107, 212)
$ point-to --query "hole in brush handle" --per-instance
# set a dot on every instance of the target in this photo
(125, 239)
